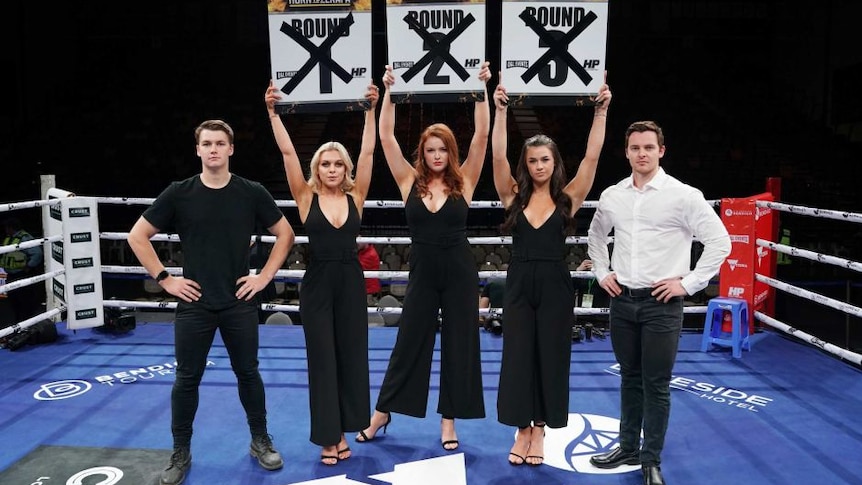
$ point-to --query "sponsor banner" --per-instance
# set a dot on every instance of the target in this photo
(736, 276)
(764, 259)
(82, 262)
(553, 52)
(745, 222)
(436, 50)
(320, 54)
(53, 226)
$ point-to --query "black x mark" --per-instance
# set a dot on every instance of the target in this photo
(440, 47)
(557, 48)
(318, 55)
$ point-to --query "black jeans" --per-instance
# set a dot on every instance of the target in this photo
(645, 338)
(194, 330)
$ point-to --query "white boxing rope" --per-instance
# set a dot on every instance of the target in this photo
(167, 237)
(800, 292)
(11, 206)
(11, 248)
(810, 295)
(299, 273)
(833, 349)
(164, 305)
(825, 213)
(29, 281)
(814, 256)
(122, 236)
(172, 305)
(380, 204)
(126, 200)
(31, 321)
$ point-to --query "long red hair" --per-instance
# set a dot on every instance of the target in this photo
(452, 177)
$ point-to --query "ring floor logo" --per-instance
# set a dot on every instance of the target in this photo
(570, 448)
(723, 395)
(57, 390)
(79, 465)
(69, 388)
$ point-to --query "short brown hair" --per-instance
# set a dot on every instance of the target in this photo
(643, 126)
(214, 125)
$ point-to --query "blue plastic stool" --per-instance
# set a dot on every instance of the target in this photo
(712, 334)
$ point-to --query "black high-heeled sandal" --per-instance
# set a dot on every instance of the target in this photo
(343, 451)
(446, 443)
(328, 457)
(541, 458)
(521, 459)
(366, 438)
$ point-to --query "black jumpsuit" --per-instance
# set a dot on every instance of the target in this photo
(443, 276)
(335, 320)
(537, 327)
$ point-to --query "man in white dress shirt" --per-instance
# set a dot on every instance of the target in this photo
(654, 218)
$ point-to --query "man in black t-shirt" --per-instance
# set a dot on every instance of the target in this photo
(215, 215)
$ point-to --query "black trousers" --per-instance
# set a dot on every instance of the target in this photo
(194, 330)
(441, 279)
(537, 344)
(335, 324)
(645, 338)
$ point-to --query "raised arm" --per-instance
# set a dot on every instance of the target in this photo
(403, 173)
(503, 180)
(581, 184)
(295, 179)
(472, 166)
(365, 162)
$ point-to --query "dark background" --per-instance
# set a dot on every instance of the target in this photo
(106, 95)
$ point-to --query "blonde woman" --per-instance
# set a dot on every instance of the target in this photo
(332, 296)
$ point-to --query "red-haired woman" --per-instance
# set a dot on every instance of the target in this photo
(437, 189)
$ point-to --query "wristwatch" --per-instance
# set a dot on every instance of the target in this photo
(163, 275)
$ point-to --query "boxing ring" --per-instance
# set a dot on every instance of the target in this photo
(794, 391)
(63, 202)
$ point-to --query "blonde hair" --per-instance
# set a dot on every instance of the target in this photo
(314, 178)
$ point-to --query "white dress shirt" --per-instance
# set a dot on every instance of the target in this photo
(653, 232)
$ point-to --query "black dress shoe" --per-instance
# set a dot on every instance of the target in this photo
(615, 458)
(652, 475)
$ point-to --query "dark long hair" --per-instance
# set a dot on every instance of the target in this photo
(524, 189)
(453, 177)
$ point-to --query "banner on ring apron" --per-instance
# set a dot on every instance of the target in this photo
(78, 254)
(320, 54)
(745, 223)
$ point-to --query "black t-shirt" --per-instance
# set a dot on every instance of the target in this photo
(215, 228)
